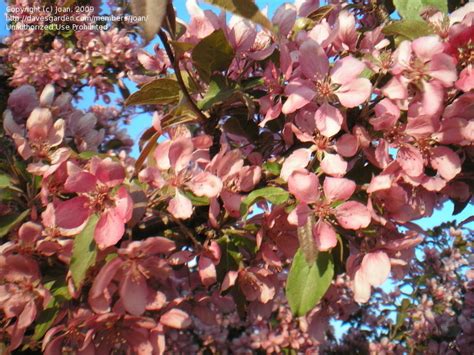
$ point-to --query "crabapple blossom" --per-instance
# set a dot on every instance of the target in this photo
(95, 188)
(304, 186)
(275, 196)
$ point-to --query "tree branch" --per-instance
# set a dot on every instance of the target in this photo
(202, 117)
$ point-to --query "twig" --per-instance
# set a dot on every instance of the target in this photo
(202, 117)
(187, 232)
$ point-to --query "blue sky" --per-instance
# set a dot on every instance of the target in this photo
(3, 29)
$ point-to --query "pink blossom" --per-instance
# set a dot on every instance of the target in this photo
(178, 167)
(340, 83)
(235, 176)
(350, 214)
(423, 63)
(95, 188)
(129, 271)
(22, 296)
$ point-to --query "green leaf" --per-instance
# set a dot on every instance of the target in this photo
(110, 257)
(197, 200)
(218, 91)
(367, 73)
(188, 81)
(60, 294)
(272, 167)
(274, 195)
(181, 47)
(401, 315)
(411, 9)
(408, 29)
(5, 181)
(212, 53)
(113, 144)
(251, 83)
(46, 319)
(87, 154)
(243, 8)
(157, 92)
(302, 23)
(180, 29)
(10, 221)
(321, 13)
(230, 259)
(84, 252)
(308, 283)
(153, 12)
(8, 195)
(241, 127)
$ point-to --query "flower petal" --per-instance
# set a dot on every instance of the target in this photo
(229, 280)
(161, 155)
(134, 292)
(334, 165)
(296, 161)
(180, 153)
(110, 172)
(207, 271)
(346, 70)
(360, 287)
(27, 315)
(300, 93)
(347, 145)
(338, 189)
(411, 160)
(123, 204)
(443, 68)
(101, 282)
(353, 215)
(433, 94)
(313, 60)
(176, 318)
(205, 184)
(82, 181)
(446, 162)
(109, 229)
(426, 47)
(249, 176)
(328, 120)
(72, 215)
(299, 215)
(180, 206)
(355, 92)
(376, 267)
(304, 186)
(324, 236)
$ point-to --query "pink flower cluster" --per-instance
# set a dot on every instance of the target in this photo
(326, 135)
(38, 57)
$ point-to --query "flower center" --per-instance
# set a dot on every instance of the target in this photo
(324, 90)
(466, 53)
(417, 71)
(99, 200)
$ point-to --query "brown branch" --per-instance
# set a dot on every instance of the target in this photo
(202, 117)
